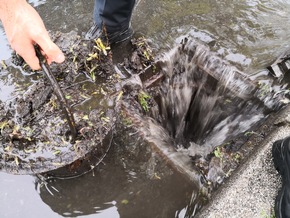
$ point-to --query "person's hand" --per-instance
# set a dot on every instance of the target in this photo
(24, 28)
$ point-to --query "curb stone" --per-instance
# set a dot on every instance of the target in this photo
(251, 191)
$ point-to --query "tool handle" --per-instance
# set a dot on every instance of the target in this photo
(58, 92)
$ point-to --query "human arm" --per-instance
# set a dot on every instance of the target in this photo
(24, 28)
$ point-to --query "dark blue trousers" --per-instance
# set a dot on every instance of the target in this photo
(115, 15)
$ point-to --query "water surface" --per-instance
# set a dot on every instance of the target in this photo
(249, 34)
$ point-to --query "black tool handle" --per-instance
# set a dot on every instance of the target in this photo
(58, 92)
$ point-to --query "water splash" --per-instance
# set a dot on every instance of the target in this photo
(204, 101)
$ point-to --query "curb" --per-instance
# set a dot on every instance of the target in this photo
(251, 191)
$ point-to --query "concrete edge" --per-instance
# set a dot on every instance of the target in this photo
(251, 190)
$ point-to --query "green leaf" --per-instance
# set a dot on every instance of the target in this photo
(56, 152)
(125, 201)
(86, 117)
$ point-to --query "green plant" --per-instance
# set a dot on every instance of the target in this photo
(143, 100)
(218, 153)
(264, 89)
(265, 215)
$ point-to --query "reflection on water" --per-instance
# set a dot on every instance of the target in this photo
(5, 48)
(36, 3)
(112, 191)
(252, 28)
(250, 34)
(19, 199)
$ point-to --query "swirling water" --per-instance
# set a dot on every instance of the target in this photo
(250, 34)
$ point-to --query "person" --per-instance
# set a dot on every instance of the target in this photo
(24, 27)
(113, 18)
(281, 159)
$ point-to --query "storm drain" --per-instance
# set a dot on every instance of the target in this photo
(197, 111)
(192, 108)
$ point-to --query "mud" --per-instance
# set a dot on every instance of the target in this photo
(35, 135)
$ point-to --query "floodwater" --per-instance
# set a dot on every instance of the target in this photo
(248, 33)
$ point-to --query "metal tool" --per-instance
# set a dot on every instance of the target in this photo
(58, 92)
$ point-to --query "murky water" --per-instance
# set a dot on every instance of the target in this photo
(111, 191)
(203, 99)
(250, 34)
